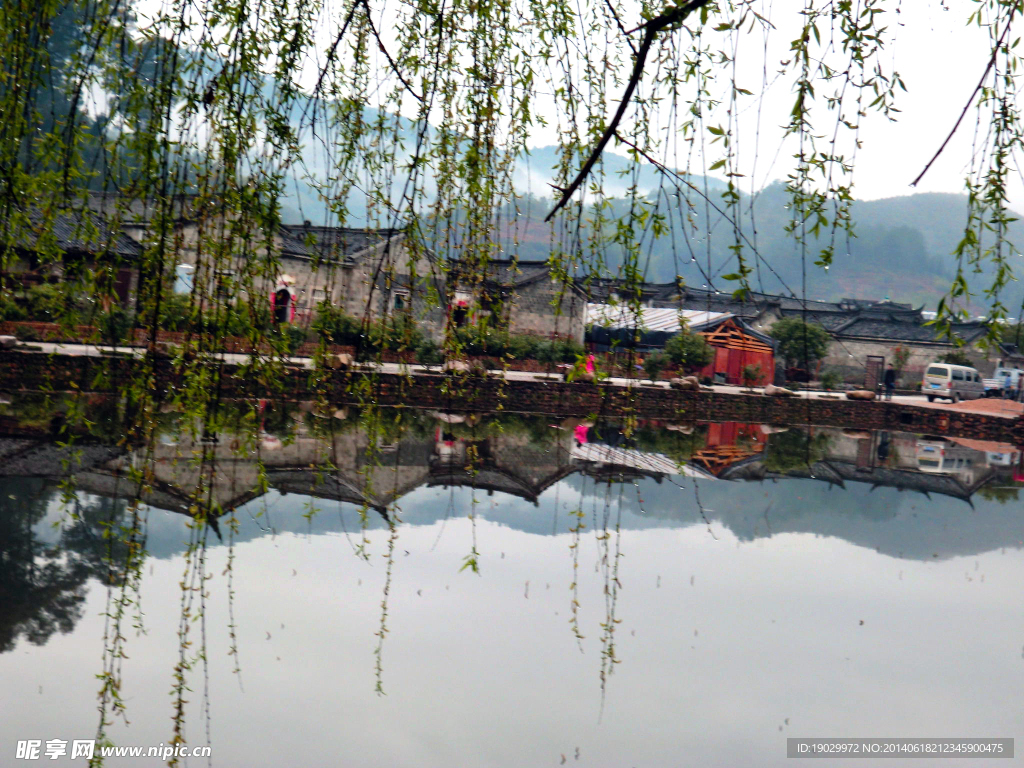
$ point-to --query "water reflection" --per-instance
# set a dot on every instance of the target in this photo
(337, 457)
(751, 581)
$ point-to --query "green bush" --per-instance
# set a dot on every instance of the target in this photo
(174, 312)
(690, 351)
(830, 379)
(10, 310)
(336, 326)
(751, 374)
(655, 364)
(570, 350)
(429, 353)
(547, 352)
(522, 347)
(294, 337)
(115, 325)
(800, 344)
(45, 303)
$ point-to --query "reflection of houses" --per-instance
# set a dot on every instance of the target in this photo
(613, 464)
(345, 467)
(507, 464)
(880, 459)
(727, 443)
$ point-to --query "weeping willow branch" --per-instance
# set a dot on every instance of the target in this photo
(977, 89)
(651, 30)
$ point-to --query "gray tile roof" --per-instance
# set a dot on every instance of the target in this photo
(334, 243)
(894, 328)
(139, 211)
(78, 231)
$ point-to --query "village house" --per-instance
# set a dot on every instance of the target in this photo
(376, 274)
(865, 333)
(71, 246)
(520, 297)
(736, 345)
(367, 273)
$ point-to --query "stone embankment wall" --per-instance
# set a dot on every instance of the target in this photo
(21, 370)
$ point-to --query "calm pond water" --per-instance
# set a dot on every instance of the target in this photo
(684, 595)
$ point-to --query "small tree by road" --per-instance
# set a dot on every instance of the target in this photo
(690, 351)
(801, 344)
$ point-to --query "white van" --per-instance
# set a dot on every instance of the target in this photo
(952, 382)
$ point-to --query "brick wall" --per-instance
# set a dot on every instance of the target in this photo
(29, 371)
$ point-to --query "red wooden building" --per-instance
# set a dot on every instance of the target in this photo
(736, 346)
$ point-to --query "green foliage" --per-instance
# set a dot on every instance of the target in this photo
(429, 353)
(522, 346)
(678, 446)
(955, 357)
(801, 344)
(175, 314)
(10, 309)
(795, 450)
(655, 364)
(337, 327)
(830, 379)
(751, 374)
(1012, 333)
(45, 303)
(115, 325)
(558, 351)
(690, 351)
(294, 337)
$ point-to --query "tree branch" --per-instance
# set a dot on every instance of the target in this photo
(651, 29)
(978, 87)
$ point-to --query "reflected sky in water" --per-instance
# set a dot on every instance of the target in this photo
(744, 612)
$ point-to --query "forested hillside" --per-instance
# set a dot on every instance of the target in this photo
(902, 248)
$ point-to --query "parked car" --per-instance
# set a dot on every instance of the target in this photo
(938, 456)
(952, 382)
(995, 386)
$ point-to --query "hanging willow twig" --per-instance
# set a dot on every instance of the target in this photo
(981, 83)
(651, 29)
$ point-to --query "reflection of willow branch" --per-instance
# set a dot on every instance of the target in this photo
(121, 586)
(610, 570)
(194, 581)
(700, 507)
(124, 578)
(229, 569)
(472, 560)
(574, 605)
(378, 652)
(394, 520)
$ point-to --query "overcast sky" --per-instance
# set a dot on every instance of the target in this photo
(939, 58)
